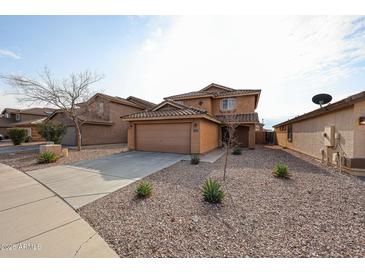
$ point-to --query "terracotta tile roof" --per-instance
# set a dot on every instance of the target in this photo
(163, 113)
(34, 111)
(327, 109)
(245, 117)
(176, 105)
(141, 102)
(181, 110)
(116, 99)
(30, 122)
(219, 91)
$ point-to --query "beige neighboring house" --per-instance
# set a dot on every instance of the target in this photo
(193, 122)
(24, 118)
(100, 119)
(334, 133)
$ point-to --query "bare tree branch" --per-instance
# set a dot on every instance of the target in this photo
(64, 94)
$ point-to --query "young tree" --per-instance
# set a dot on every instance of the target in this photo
(64, 94)
(231, 123)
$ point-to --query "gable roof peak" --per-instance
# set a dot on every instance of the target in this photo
(217, 86)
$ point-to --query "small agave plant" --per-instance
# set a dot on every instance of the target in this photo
(144, 189)
(281, 171)
(212, 192)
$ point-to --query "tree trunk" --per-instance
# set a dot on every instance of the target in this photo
(225, 163)
(78, 135)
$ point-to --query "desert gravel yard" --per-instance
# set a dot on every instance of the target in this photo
(317, 213)
(28, 160)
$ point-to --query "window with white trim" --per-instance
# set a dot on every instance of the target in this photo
(228, 104)
(17, 117)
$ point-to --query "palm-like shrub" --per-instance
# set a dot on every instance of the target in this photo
(17, 135)
(212, 192)
(281, 171)
(195, 159)
(47, 157)
(143, 189)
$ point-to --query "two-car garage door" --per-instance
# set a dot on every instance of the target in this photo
(164, 137)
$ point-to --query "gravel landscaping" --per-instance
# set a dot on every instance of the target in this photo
(319, 212)
(28, 160)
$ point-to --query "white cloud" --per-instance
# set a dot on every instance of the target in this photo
(8, 53)
(289, 58)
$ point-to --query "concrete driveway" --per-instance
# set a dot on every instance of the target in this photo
(86, 181)
(34, 222)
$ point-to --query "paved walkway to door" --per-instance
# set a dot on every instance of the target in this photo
(84, 182)
(35, 222)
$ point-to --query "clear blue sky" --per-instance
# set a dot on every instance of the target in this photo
(70, 43)
(289, 58)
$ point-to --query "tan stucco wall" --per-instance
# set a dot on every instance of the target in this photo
(209, 135)
(359, 130)
(61, 118)
(308, 134)
(29, 117)
(251, 137)
(244, 104)
(203, 103)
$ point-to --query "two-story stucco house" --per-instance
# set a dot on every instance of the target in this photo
(194, 122)
(24, 118)
(100, 119)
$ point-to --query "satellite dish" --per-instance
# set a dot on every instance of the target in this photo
(322, 99)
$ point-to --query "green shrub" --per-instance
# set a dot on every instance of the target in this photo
(17, 135)
(47, 157)
(195, 159)
(281, 171)
(236, 150)
(212, 192)
(143, 189)
(52, 132)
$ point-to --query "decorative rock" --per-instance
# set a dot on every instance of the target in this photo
(195, 218)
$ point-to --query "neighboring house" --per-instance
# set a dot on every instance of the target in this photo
(24, 118)
(100, 122)
(334, 133)
(193, 123)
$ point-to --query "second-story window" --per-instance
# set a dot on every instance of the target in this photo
(17, 117)
(228, 104)
(100, 108)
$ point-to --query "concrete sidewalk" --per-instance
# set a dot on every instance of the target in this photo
(34, 222)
